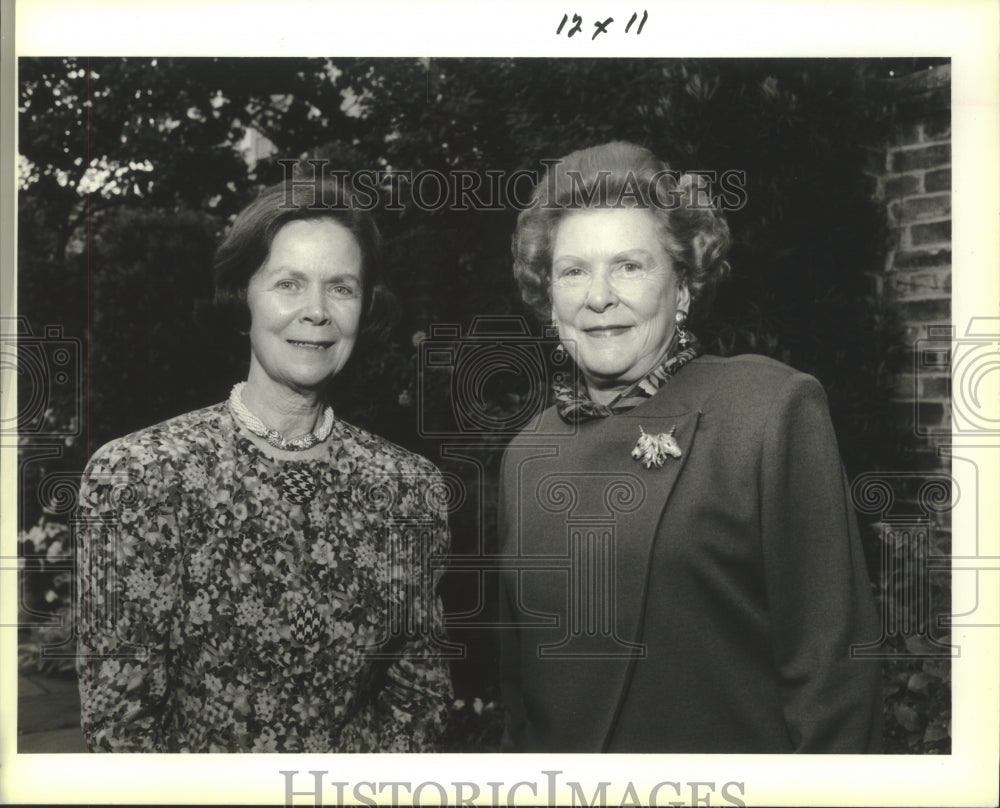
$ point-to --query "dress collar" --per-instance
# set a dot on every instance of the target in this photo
(575, 404)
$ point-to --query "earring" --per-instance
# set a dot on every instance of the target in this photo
(559, 354)
(551, 329)
(683, 335)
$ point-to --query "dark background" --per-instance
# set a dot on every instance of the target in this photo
(133, 168)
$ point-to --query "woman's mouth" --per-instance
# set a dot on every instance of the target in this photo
(606, 331)
(309, 346)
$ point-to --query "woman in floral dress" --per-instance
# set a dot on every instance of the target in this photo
(260, 575)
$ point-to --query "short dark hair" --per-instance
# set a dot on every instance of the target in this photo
(692, 231)
(248, 243)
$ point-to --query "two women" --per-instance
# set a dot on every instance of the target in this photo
(258, 575)
(683, 570)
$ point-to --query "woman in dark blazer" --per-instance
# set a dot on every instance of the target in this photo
(683, 571)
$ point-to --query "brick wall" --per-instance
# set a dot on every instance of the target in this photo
(912, 177)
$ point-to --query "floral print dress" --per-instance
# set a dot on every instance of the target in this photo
(233, 600)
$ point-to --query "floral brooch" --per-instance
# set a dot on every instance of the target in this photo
(653, 450)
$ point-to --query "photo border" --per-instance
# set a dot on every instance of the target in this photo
(964, 31)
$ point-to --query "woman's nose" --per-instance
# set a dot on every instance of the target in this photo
(314, 309)
(601, 293)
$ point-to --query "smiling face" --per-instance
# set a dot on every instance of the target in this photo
(305, 307)
(615, 296)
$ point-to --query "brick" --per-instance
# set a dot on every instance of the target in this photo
(902, 185)
(924, 460)
(903, 385)
(927, 207)
(939, 333)
(922, 157)
(934, 387)
(920, 284)
(937, 127)
(917, 107)
(906, 135)
(925, 311)
(916, 335)
(930, 233)
(934, 358)
(920, 259)
(939, 180)
(927, 414)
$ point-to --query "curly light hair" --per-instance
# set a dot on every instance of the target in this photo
(692, 231)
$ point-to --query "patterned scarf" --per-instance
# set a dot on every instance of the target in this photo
(575, 404)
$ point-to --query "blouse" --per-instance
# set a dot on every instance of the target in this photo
(233, 601)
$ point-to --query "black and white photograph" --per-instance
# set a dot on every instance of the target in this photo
(529, 406)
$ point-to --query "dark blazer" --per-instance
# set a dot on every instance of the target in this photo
(705, 606)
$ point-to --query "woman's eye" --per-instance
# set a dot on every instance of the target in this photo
(628, 270)
(345, 291)
(287, 285)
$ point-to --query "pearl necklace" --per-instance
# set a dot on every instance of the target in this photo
(272, 436)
